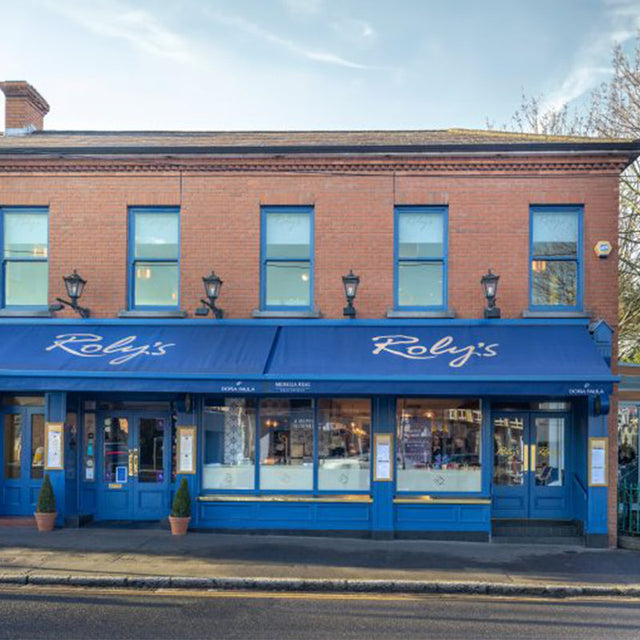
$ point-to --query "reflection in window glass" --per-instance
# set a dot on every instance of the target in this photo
(155, 259)
(116, 447)
(286, 259)
(37, 446)
(151, 449)
(628, 468)
(12, 445)
(420, 251)
(439, 447)
(344, 435)
(508, 451)
(229, 444)
(549, 452)
(286, 444)
(555, 257)
(25, 253)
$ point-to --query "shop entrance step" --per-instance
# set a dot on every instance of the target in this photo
(17, 521)
(536, 531)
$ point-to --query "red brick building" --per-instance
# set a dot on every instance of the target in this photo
(398, 438)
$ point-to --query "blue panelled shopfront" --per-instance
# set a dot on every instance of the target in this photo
(420, 428)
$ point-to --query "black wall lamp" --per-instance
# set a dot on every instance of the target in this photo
(489, 283)
(74, 284)
(212, 284)
(350, 282)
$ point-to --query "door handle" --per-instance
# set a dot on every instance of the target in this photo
(135, 462)
(526, 458)
(533, 457)
(130, 462)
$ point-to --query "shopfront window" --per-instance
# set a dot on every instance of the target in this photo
(344, 437)
(628, 468)
(286, 445)
(439, 445)
(229, 444)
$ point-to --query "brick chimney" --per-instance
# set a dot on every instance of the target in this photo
(25, 108)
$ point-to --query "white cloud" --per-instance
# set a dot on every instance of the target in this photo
(588, 71)
(303, 8)
(139, 28)
(352, 29)
(253, 29)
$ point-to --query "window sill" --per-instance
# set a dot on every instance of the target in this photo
(555, 314)
(285, 498)
(25, 313)
(305, 315)
(125, 313)
(394, 314)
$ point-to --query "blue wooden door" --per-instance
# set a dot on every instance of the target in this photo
(22, 453)
(531, 466)
(115, 466)
(510, 497)
(152, 466)
(549, 468)
(135, 461)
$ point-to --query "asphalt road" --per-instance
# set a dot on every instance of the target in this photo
(27, 612)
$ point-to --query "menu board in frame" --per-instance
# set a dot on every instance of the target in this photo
(54, 446)
(186, 450)
(598, 462)
(383, 457)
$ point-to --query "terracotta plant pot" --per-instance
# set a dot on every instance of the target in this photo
(45, 521)
(179, 526)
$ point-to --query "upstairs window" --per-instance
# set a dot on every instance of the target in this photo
(25, 256)
(421, 258)
(154, 257)
(287, 258)
(556, 256)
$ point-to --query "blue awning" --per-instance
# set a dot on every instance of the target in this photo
(526, 358)
(470, 358)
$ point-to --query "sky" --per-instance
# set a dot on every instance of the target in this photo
(307, 64)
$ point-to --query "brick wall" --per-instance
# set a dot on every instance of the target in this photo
(220, 229)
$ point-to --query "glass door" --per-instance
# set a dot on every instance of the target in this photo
(510, 465)
(117, 467)
(22, 459)
(530, 466)
(152, 466)
(549, 490)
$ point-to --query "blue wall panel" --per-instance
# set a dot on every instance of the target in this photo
(269, 515)
(449, 517)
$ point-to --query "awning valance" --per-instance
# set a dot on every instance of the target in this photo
(337, 357)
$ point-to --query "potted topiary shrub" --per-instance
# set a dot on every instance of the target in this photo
(46, 508)
(181, 510)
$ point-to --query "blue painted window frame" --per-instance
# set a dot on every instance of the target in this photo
(444, 260)
(486, 454)
(43, 210)
(563, 209)
(264, 261)
(315, 490)
(132, 260)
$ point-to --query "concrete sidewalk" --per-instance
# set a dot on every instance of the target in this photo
(152, 557)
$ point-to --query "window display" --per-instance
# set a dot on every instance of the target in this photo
(286, 444)
(439, 448)
(229, 435)
(344, 437)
